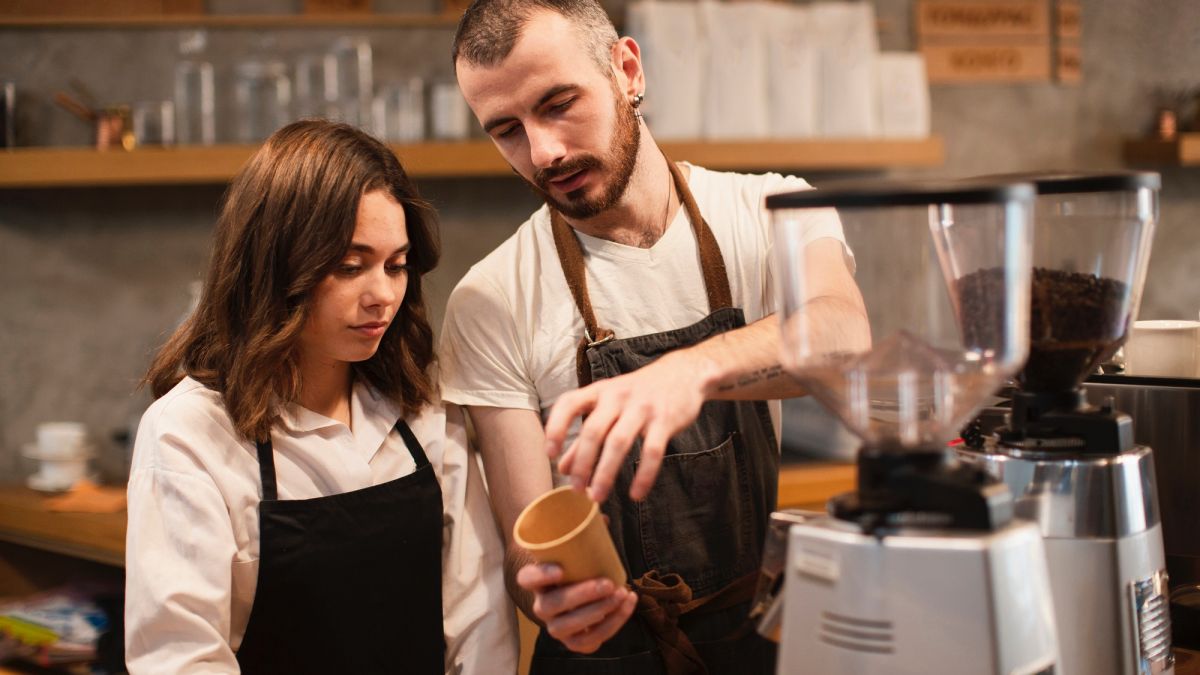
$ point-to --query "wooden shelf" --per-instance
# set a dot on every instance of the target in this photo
(24, 520)
(176, 21)
(81, 167)
(1183, 151)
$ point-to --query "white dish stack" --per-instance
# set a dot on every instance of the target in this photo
(62, 452)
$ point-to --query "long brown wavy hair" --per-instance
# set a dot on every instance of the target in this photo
(287, 221)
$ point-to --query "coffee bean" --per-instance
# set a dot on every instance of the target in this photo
(1076, 321)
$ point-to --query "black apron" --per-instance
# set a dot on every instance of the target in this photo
(349, 583)
(693, 546)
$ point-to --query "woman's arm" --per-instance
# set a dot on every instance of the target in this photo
(479, 618)
(178, 584)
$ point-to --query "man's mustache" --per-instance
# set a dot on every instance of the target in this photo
(543, 176)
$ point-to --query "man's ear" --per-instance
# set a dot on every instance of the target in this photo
(627, 64)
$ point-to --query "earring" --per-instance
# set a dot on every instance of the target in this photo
(637, 103)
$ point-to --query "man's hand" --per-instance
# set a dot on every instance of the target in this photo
(654, 402)
(583, 615)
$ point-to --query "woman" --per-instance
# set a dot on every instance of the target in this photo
(299, 500)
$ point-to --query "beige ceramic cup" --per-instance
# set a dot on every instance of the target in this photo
(1163, 349)
(564, 527)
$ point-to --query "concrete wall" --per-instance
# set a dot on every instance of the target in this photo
(91, 279)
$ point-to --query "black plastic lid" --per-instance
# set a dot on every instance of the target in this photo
(852, 194)
(1069, 182)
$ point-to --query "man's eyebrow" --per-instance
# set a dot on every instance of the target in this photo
(550, 93)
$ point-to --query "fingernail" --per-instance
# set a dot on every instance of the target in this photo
(604, 586)
(552, 570)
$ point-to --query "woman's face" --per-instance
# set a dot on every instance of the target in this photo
(353, 306)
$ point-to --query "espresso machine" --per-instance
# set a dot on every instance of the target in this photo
(1073, 467)
(923, 569)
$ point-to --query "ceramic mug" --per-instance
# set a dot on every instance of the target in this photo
(61, 441)
(1163, 348)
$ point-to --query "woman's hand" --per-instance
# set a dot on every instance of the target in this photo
(582, 615)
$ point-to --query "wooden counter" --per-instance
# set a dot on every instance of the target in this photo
(24, 519)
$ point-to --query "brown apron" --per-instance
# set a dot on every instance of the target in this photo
(693, 545)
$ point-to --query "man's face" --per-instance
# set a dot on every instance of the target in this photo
(558, 119)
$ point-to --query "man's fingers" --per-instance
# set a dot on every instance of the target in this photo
(590, 641)
(586, 447)
(616, 447)
(566, 625)
(535, 577)
(568, 406)
(548, 605)
(653, 449)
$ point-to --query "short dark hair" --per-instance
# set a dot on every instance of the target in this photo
(288, 219)
(489, 29)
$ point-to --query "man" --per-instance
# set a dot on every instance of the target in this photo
(638, 275)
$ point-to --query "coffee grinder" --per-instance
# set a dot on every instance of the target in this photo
(922, 569)
(1073, 468)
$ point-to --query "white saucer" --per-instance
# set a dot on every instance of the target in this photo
(32, 451)
(37, 482)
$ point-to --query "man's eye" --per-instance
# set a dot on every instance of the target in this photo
(562, 107)
(506, 131)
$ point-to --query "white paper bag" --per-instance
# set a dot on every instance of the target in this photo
(848, 48)
(735, 95)
(673, 50)
(903, 95)
(792, 71)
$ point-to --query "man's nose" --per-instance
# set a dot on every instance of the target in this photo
(545, 147)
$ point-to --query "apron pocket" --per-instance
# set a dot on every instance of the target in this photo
(696, 521)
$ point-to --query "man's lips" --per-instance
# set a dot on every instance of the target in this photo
(572, 181)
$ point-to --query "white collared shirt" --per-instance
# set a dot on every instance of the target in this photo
(192, 543)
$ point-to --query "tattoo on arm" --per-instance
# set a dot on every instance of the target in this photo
(748, 379)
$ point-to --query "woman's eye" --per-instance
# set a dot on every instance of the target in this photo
(349, 270)
(398, 269)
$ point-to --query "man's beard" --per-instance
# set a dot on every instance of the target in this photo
(622, 157)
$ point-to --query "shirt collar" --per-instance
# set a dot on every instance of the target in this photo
(372, 415)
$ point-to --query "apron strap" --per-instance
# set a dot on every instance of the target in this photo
(413, 445)
(662, 599)
(266, 469)
(570, 257)
(266, 459)
(712, 263)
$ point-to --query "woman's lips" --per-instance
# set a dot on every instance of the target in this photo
(372, 329)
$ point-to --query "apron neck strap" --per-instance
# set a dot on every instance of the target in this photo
(413, 445)
(266, 459)
(266, 469)
(712, 263)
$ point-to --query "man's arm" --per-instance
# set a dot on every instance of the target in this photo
(659, 400)
(582, 615)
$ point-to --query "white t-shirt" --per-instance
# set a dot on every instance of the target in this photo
(192, 545)
(512, 329)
